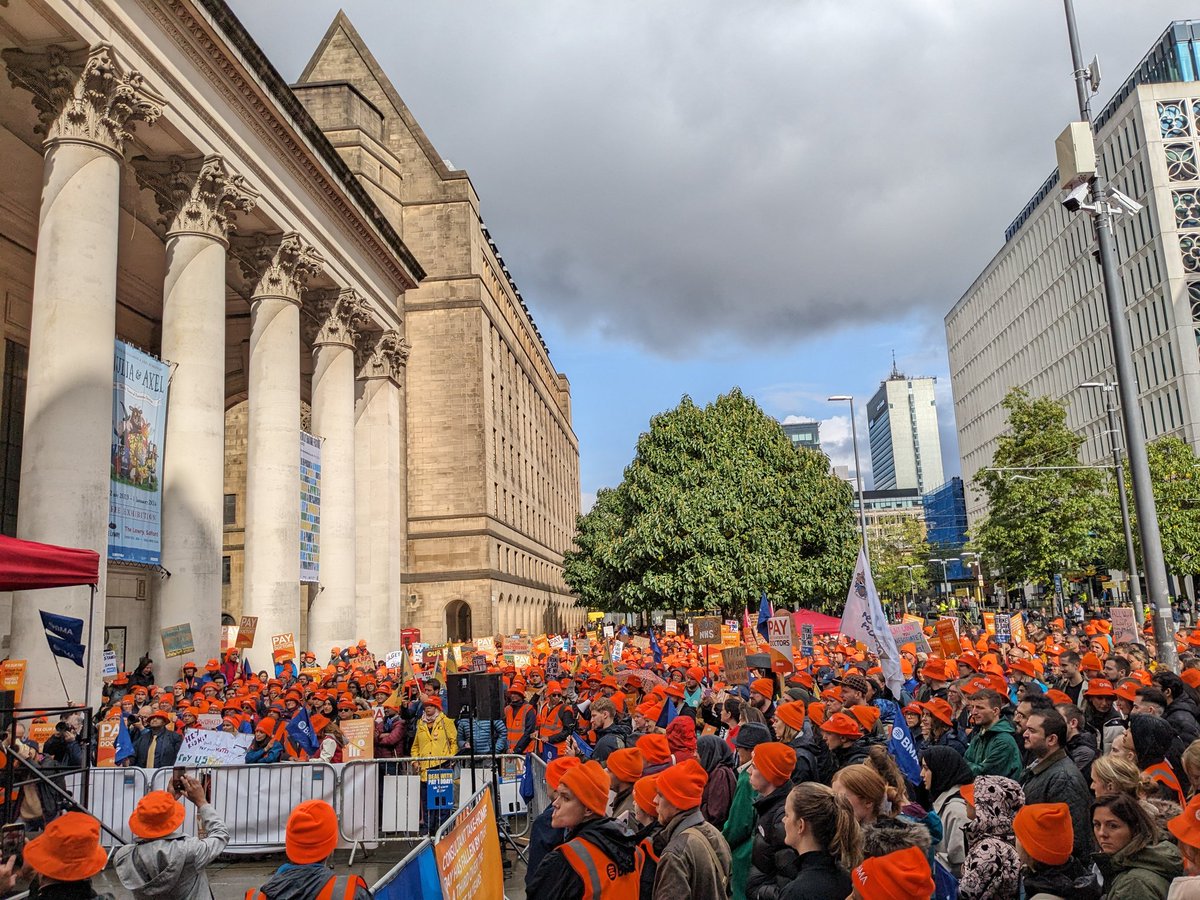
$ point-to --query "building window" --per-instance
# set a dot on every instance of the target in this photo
(230, 511)
(226, 569)
(12, 429)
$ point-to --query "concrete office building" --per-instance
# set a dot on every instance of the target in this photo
(903, 432)
(1035, 317)
(804, 434)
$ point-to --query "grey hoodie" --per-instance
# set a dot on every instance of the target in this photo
(173, 867)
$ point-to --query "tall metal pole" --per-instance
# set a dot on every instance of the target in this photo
(1135, 589)
(1118, 327)
(862, 506)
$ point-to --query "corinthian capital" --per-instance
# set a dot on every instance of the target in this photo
(277, 266)
(195, 196)
(339, 315)
(387, 358)
(83, 95)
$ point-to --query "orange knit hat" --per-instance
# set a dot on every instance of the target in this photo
(626, 764)
(644, 791)
(1186, 825)
(897, 876)
(312, 832)
(683, 785)
(1044, 830)
(655, 749)
(763, 686)
(589, 783)
(791, 714)
(840, 723)
(775, 761)
(557, 766)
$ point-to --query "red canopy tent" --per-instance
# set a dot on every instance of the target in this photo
(26, 565)
(821, 624)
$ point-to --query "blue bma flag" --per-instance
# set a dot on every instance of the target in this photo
(64, 634)
(124, 744)
(764, 612)
(900, 742)
(668, 714)
(654, 648)
(300, 730)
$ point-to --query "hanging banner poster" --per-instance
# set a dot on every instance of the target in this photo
(310, 508)
(360, 739)
(12, 677)
(139, 415)
(177, 640)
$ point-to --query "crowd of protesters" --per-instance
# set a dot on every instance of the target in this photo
(1064, 765)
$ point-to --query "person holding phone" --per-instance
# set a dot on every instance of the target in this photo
(164, 862)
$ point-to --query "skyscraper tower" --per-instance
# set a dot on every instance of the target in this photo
(903, 427)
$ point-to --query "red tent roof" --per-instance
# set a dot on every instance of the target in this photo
(26, 566)
(821, 624)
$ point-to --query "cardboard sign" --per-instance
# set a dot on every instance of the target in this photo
(1124, 625)
(670, 626)
(177, 640)
(734, 659)
(468, 857)
(106, 742)
(707, 630)
(283, 647)
(642, 643)
(394, 659)
(1016, 624)
(12, 677)
(360, 739)
(910, 633)
(948, 636)
(212, 748)
(245, 635)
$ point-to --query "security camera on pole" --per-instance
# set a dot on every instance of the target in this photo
(1086, 190)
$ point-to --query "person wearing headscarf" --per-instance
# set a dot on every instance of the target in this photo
(1159, 752)
(943, 772)
(718, 761)
(991, 869)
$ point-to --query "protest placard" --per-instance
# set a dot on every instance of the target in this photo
(1124, 625)
(1003, 628)
(780, 639)
(209, 721)
(486, 645)
(479, 662)
(177, 640)
(609, 631)
(106, 742)
(553, 667)
(12, 677)
(283, 647)
(229, 635)
(618, 648)
(948, 637)
(642, 643)
(707, 630)
(245, 635)
(989, 622)
(910, 633)
(1016, 625)
(40, 732)
(394, 659)
(735, 665)
(670, 626)
(468, 856)
(212, 748)
(360, 739)
(110, 664)
(806, 640)
(556, 642)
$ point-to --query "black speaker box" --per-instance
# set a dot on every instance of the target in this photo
(479, 695)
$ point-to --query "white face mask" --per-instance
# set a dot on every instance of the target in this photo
(430, 713)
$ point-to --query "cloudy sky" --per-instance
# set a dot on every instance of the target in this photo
(695, 194)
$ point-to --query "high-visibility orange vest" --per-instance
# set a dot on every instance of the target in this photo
(515, 724)
(338, 887)
(549, 723)
(1164, 774)
(599, 874)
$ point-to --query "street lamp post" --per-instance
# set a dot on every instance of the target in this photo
(1110, 408)
(912, 587)
(1101, 210)
(862, 507)
(978, 574)
(945, 574)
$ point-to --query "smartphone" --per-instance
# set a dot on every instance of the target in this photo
(177, 779)
(12, 843)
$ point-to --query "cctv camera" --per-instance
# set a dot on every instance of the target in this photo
(1075, 199)
(1124, 202)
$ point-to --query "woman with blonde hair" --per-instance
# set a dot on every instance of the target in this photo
(1113, 774)
(877, 806)
(821, 828)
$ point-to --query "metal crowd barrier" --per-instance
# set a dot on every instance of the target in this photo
(113, 794)
(385, 800)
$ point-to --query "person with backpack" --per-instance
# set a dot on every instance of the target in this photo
(309, 840)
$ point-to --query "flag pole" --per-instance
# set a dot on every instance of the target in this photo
(61, 681)
(87, 664)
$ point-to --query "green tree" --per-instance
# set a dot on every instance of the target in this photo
(896, 543)
(1044, 517)
(1175, 474)
(716, 507)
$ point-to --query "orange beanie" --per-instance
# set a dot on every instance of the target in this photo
(625, 764)
(589, 783)
(791, 714)
(557, 766)
(655, 749)
(683, 785)
(775, 761)
(1044, 830)
(312, 832)
(897, 876)
(644, 791)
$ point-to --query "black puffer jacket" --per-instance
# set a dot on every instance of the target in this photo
(852, 754)
(1182, 714)
(773, 864)
(1082, 750)
(616, 736)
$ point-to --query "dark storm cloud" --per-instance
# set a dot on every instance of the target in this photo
(688, 175)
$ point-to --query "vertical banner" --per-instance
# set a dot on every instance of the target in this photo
(310, 507)
(468, 855)
(139, 412)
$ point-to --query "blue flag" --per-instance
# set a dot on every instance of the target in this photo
(764, 612)
(624, 632)
(668, 714)
(124, 743)
(654, 648)
(300, 730)
(584, 748)
(64, 634)
(247, 672)
(900, 741)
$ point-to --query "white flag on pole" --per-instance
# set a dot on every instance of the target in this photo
(863, 620)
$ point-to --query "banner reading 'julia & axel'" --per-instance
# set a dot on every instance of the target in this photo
(135, 465)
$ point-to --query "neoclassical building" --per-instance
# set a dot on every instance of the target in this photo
(303, 261)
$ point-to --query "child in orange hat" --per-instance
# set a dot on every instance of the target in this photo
(1045, 837)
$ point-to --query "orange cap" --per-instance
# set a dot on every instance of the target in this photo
(589, 783)
(683, 785)
(312, 832)
(896, 876)
(775, 761)
(1045, 831)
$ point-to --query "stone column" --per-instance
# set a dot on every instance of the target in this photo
(279, 268)
(381, 483)
(87, 104)
(196, 199)
(331, 615)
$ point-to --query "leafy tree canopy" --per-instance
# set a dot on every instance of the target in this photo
(1175, 474)
(897, 543)
(716, 507)
(1043, 520)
